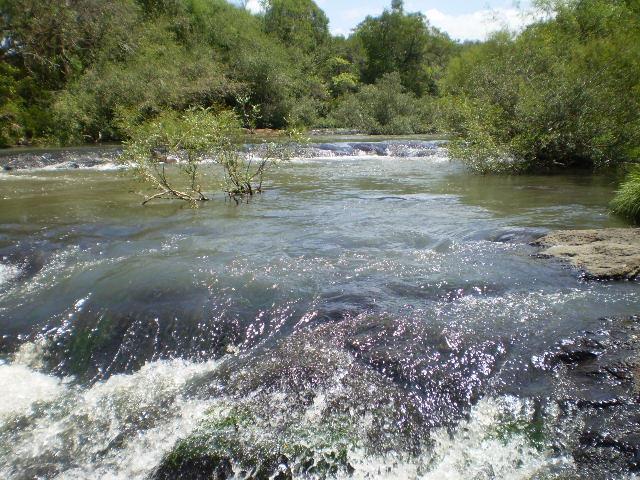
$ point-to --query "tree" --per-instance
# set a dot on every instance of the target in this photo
(404, 43)
(159, 74)
(383, 108)
(10, 106)
(189, 139)
(298, 23)
(55, 40)
(564, 93)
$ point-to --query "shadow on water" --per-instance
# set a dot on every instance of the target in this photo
(560, 201)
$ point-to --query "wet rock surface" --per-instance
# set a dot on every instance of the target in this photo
(367, 382)
(85, 157)
(612, 253)
(595, 376)
(349, 371)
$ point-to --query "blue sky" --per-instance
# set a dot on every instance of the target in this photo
(461, 19)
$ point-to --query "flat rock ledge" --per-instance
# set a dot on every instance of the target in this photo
(606, 254)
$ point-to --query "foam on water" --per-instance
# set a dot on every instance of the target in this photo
(122, 428)
(474, 450)
(104, 161)
(477, 450)
(103, 166)
(147, 409)
(22, 388)
(7, 273)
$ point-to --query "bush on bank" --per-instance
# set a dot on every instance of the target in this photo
(563, 93)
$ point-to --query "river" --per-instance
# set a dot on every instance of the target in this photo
(378, 312)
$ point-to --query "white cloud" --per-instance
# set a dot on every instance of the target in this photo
(479, 24)
(254, 6)
(349, 18)
(345, 32)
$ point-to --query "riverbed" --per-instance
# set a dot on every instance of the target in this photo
(378, 312)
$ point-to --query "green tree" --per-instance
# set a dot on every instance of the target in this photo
(565, 92)
(11, 130)
(298, 23)
(55, 40)
(159, 74)
(383, 108)
(405, 43)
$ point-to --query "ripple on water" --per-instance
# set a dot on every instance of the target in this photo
(313, 305)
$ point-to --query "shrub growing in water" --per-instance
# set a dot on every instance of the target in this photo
(188, 139)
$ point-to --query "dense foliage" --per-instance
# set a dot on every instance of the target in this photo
(68, 68)
(564, 93)
(627, 199)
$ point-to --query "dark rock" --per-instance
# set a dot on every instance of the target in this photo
(576, 356)
(98, 342)
(194, 467)
(595, 377)
(517, 236)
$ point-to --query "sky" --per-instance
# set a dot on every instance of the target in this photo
(461, 19)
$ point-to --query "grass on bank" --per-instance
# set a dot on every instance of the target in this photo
(627, 199)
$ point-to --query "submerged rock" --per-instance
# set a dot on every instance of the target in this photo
(299, 408)
(29, 260)
(612, 253)
(596, 377)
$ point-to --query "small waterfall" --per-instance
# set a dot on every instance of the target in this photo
(104, 158)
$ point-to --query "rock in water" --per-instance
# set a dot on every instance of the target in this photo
(611, 253)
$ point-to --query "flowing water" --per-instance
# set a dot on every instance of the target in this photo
(377, 313)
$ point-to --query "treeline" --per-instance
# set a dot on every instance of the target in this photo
(564, 92)
(73, 69)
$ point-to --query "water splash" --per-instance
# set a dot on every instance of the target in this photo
(23, 388)
(124, 427)
(8, 273)
(119, 428)
(494, 443)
